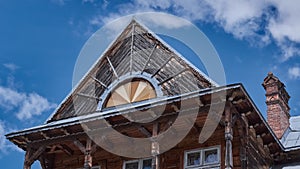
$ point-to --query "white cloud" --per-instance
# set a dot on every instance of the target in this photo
(34, 104)
(25, 105)
(12, 67)
(294, 73)
(88, 1)
(287, 24)
(5, 146)
(59, 2)
(259, 22)
(2, 138)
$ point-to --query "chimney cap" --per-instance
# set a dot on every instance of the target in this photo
(275, 80)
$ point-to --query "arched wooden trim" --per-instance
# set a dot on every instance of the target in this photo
(31, 155)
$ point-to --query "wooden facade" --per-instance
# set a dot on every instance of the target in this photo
(138, 77)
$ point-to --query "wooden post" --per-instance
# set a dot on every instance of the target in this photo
(87, 151)
(32, 155)
(228, 137)
(244, 141)
(27, 165)
(155, 148)
(87, 155)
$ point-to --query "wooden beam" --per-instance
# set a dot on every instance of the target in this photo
(99, 82)
(248, 113)
(43, 163)
(36, 154)
(25, 138)
(166, 62)
(65, 131)
(79, 145)
(131, 48)
(44, 135)
(53, 148)
(112, 67)
(94, 148)
(149, 57)
(172, 76)
(66, 149)
(88, 96)
(32, 155)
(144, 130)
(28, 153)
(238, 101)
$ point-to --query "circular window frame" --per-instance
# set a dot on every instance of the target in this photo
(125, 79)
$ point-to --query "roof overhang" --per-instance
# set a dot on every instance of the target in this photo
(69, 128)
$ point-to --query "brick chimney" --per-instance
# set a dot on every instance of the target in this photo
(277, 99)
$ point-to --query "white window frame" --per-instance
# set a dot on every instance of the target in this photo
(202, 164)
(140, 162)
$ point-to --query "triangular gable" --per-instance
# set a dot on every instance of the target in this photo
(136, 54)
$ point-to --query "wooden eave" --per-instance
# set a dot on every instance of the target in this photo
(70, 129)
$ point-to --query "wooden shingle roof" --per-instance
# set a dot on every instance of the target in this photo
(136, 54)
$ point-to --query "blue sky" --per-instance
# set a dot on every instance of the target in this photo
(40, 42)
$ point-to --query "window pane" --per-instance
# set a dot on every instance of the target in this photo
(147, 164)
(211, 156)
(193, 159)
(133, 165)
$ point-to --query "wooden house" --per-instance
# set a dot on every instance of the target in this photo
(145, 106)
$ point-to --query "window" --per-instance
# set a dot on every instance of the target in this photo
(138, 164)
(202, 158)
(133, 91)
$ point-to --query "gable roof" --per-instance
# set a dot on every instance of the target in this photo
(136, 53)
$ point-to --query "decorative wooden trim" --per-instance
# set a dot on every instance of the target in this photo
(87, 154)
(228, 138)
(32, 155)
